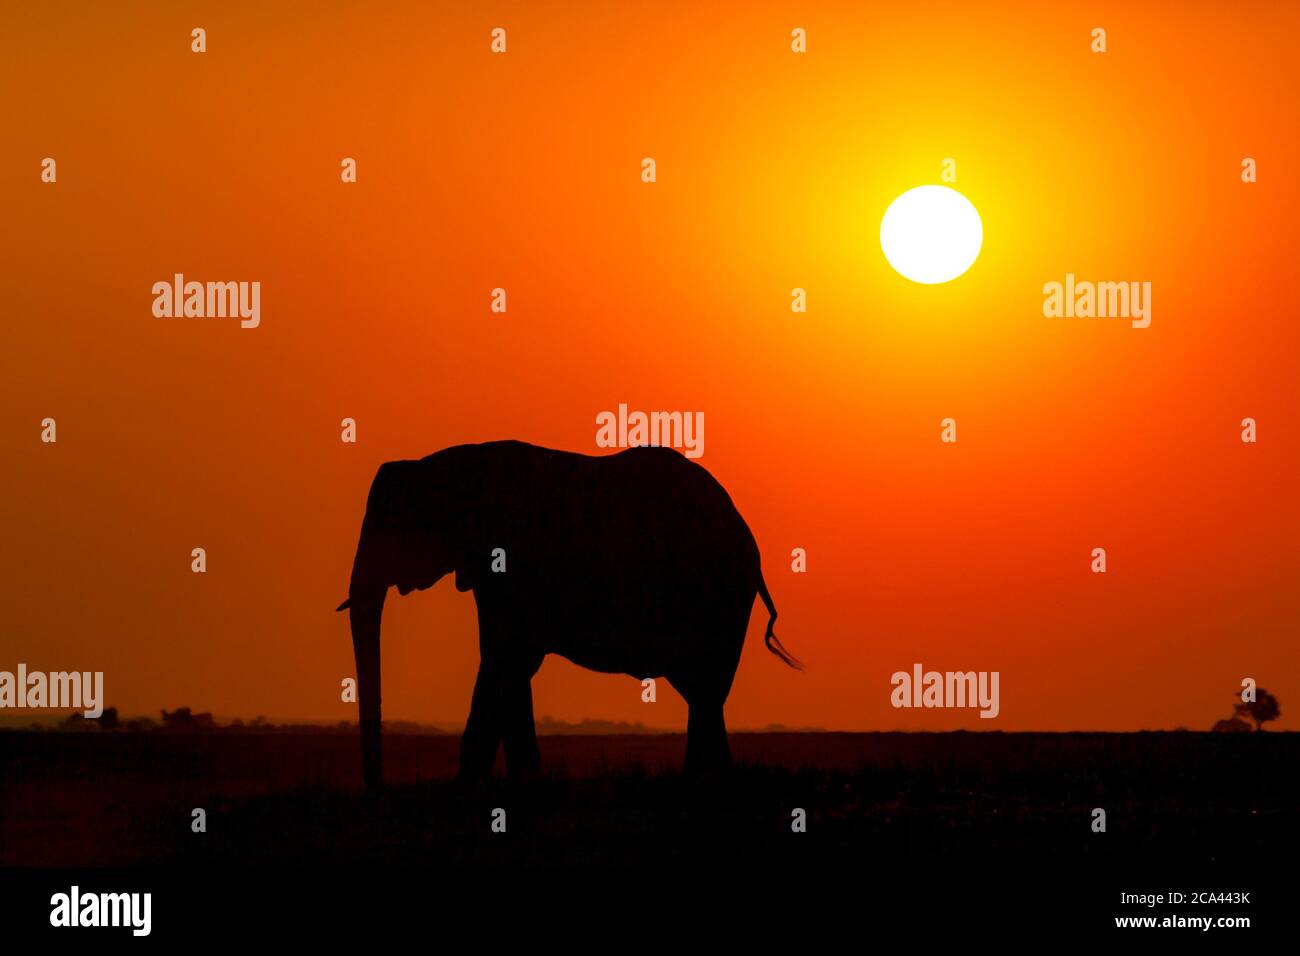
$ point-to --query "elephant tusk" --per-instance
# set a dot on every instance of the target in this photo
(345, 605)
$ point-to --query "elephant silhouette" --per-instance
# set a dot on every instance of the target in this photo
(635, 563)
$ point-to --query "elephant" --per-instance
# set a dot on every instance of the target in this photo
(635, 562)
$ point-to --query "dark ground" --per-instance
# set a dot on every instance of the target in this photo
(1207, 800)
(983, 837)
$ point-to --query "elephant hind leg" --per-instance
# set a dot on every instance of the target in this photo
(707, 749)
(705, 681)
(706, 730)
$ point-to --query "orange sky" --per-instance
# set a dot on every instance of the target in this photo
(523, 171)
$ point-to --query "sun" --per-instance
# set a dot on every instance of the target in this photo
(931, 234)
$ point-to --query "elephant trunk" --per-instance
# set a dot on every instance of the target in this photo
(366, 610)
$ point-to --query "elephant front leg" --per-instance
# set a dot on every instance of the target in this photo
(519, 733)
(501, 711)
(478, 744)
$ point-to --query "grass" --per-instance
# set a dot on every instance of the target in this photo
(99, 799)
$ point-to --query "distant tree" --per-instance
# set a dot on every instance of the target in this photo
(106, 721)
(182, 720)
(1263, 708)
(178, 719)
(1231, 726)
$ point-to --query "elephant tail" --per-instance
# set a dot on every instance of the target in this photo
(770, 638)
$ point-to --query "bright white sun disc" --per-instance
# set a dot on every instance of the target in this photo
(931, 234)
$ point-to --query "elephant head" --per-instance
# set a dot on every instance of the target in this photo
(409, 540)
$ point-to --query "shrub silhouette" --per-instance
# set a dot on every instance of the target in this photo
(1232, 725)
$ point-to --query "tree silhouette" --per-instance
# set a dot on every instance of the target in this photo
(182, 720)
(1263, 708)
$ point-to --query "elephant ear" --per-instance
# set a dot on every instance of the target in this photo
(470, 547)
(462, 481)
(396, 529)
